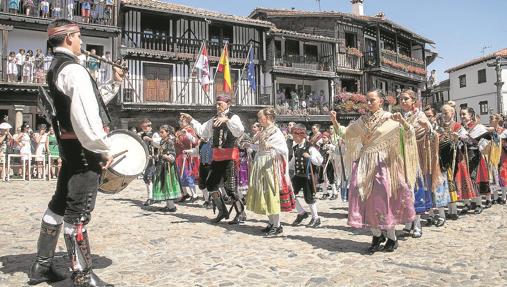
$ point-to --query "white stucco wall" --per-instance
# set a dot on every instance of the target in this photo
(474, 92)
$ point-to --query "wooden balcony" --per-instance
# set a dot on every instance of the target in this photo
(348, 62)
(162, 42)
(101, 13)
(391, 62)
(304, 65)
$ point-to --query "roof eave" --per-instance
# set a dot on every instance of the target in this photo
(210, 17)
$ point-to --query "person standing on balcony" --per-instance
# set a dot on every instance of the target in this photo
(85, 11)
(223, 130)
(29, 7)
(39, 67)
(13, 6)
(70, 9)
(20, 60)
(12, 68)
(93, 64)
(57, 9)
(44, 8)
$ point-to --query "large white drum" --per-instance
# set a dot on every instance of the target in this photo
(130, 160)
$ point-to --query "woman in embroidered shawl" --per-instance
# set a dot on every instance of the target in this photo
(429, 180)
(382, 149)
(493, 154)
(497, 124)
(272, 191)
(478, 138)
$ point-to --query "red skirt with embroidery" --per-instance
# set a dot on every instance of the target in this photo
(287, 197)
(464, 186)
(483, 177)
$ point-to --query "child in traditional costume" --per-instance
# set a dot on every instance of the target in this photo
(166, 186)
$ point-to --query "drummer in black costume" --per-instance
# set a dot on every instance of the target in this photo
(223, 129)
(85, 151)
(152, 141)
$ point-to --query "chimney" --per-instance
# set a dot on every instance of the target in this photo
(357, 7)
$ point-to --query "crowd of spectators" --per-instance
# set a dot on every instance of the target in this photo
(302, 103)
(90, 11)
(27, 67)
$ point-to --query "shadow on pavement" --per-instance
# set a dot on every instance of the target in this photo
(333, 215)
(22, 262)
(333, 244)
(356, 231)
(243, 228)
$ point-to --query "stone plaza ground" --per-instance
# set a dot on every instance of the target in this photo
(138, 246)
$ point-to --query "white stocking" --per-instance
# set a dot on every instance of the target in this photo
(169, 204)
(313, 209)
(391, 234)
(52, 218)
(376, 232)
(299, 207)
(275, 220)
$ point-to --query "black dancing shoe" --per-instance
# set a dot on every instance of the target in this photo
(453, 216)
(325, 196)
(488, 204)
(478, 209)
(391, 245)
(439, 221)
(333, 197)
(274, 231)
(464, 210)
(430, 221)
(168, 209)
(300, 218)
(501, 201)
(207, 204)
(376, 244)
(314, 223)
(148, 202)
(238, 219)
(267, 228)
(184, 198)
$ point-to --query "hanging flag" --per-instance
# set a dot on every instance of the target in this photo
(202, 65)
(251, 69)
(223, 66)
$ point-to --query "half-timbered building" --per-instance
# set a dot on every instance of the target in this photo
(161, 43)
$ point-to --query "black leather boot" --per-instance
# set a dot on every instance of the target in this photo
(42, 269)
(219, 203)
(80, 256)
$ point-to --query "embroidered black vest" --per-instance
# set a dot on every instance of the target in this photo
(300, 162)
(222, 136)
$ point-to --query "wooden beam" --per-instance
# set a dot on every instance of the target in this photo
(5, 38)
(379, 52)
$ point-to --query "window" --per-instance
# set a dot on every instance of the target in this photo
(382, 85)
(462, 81)
(481, 75)
(483, 107)
(350, 40)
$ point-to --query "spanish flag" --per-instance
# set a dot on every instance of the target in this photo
(223, 66)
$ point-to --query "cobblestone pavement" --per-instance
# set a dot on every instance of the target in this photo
(136, 246)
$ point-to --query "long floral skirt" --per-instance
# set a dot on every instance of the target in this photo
(380, 209)
(464, 186)
(165, 184)
(268, 190)
(441, 195)
(423, 196)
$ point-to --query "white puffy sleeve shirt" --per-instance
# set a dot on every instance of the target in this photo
(74, 81)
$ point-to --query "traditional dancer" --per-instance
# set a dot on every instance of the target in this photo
(383, 150)
(272, 191)
(450, 132)
(187, 163)
(342, 171)
(205, 159)
(152, 140)
(306, 158)
(429, 177)
(223, 129)
(502, 170)
(83, 143)
(493, 153)
(166, 186)
(326, 171)
(478, 138)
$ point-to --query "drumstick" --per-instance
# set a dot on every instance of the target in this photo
(120, 153)
(116, 162)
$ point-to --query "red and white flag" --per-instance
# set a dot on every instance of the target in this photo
(202, 65)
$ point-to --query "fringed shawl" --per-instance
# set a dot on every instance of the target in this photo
(427, 148)
(381, 144)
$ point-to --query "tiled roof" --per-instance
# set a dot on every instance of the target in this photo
(364, 19)
(502, 53)
(303, 35)
(194, 12)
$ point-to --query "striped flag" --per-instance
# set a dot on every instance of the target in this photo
(223, 66)
(202, 65)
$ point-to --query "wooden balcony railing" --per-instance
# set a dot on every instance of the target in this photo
(161, 41)
(350, 62)
(101, 13)
(396, 61)
(305, 62)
